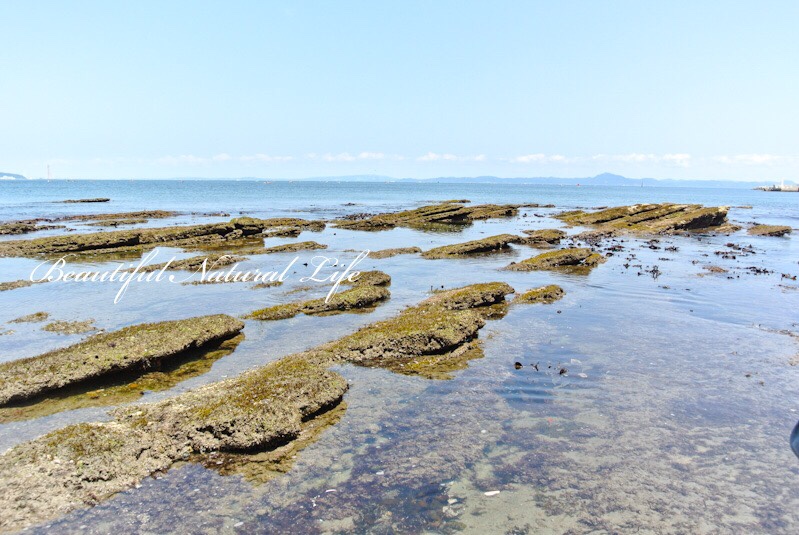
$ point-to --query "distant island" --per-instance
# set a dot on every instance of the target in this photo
(11, 176)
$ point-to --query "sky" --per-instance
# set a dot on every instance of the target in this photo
(679, 89)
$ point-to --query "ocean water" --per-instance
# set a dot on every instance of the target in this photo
(674, 416)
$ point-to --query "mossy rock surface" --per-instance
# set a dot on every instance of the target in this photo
(370, 278)
(547, 236)
(447, 213)
(769, 230)
(13, 285)
(286, 248)
(126, 241)
(388, 253)
(359, 297)
(543, 294)
(106, 353)
(484, 245)
(577, 257)
(662, 218)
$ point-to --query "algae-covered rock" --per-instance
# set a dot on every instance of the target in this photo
(13, 285)
(651, 218)
(287, 248)
(468, 297)
(446, 213)
(357, 298)
(95, 199)
(135, 346)
(195, 263)
(70, 327)
(387, 253)
(369, 278)
(543, 294)
(133, 240)
(484, 245)
(32, 318)
(116, 222)
(562, 258)
(769, 230)
(543, 237)
(17, 227)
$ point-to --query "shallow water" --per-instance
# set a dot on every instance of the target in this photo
(673, 415)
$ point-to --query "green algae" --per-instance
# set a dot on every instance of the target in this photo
(543, 294)
(483, 245)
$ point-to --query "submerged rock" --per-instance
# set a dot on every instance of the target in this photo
(387, 253)
(195, 263)
(116, 222)
(544, 294)
(137, 240)
(360, 297)
(651, 218)
(96, 199)
(769, 230)
(543, 237)
(484, 245)
(562, 258)
(287, 248)
(438, 214)
(13, 285)
(32, 318)
(70, 327)
(102, 354)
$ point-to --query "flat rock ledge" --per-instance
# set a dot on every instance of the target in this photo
(769, 230)
(666, 218)
(484, 245)
(137, 240)
(447, 213)
(544, 294)
(265, 408)
(543, 237)
(360, 297)
(576, 259)
(107, 353)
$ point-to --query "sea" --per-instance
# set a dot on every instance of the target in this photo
(674, 413)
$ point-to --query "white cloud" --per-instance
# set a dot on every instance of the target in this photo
(265, 158)
(540, 158)
(447, 157)
(749, 159)
(676, 159)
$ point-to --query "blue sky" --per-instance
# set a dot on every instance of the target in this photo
(679, 89)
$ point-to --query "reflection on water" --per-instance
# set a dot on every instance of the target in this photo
(671, 415)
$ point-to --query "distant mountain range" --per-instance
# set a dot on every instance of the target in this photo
(11, 176)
